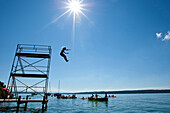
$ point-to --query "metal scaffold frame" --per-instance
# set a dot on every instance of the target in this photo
(25, 66)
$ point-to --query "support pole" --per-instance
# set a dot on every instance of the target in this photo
(43, 103)
(26, 104)
(18, 103)
(46, 97)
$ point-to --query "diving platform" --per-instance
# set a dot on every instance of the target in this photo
(30, 69)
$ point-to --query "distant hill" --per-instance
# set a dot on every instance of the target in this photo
(115, 92)
(128, 91)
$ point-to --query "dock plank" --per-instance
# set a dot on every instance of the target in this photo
(23, 101)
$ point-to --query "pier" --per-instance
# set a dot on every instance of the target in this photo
(26, 101)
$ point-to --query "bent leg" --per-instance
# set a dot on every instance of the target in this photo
(65, 58)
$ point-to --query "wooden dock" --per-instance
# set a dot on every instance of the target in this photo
(22, 101)
(25, 101)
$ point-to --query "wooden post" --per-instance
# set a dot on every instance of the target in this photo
(43, 103)
(46, 97)
(18, 103)
(26, 104)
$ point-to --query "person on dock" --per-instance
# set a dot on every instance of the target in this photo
(62, 53)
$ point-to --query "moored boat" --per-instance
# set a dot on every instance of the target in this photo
(112, 96)
(66, 97)
(98, 99)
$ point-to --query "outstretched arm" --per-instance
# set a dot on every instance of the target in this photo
(66, 53)
(68, 49)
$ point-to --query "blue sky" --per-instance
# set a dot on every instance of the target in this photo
(117, 48)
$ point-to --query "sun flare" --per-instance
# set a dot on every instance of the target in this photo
(74, 8)
(74, 5)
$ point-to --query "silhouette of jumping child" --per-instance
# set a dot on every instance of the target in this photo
(62, 53)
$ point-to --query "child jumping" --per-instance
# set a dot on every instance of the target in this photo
(62, 53)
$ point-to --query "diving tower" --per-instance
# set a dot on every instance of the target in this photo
(30, 69)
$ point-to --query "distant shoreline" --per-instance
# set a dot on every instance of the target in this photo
(128, 91)
(149, 91)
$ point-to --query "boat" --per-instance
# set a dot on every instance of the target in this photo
(59, 96)
(98, 99)
(112, 96)
(83, 98)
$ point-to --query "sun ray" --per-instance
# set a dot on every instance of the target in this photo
(76, 8)
(60, 16)
(85, 15)
(74, 24)
(57, 18)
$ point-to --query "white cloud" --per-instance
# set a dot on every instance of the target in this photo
(167, 36)
(158, 35)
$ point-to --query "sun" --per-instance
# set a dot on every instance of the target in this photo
(75, 6)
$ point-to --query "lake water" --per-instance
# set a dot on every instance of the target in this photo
(123, 103)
